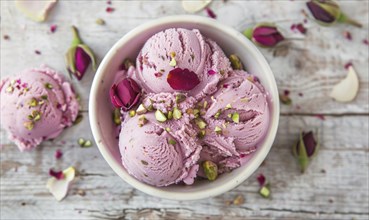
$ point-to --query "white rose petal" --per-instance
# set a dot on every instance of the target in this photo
(347, 89)
(194, 6)
(59, 188)
(36, 10)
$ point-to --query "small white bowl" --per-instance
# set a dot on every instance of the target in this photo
(232, 42)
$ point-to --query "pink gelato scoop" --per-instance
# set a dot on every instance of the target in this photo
(36, 105)
(190, 50)
(238, 115)
(160, 153)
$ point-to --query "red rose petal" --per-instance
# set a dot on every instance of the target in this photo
(261, 179)
(182, 79)
(347, 35)
(57, 174)
(300, 27)
(225, 85)
(210, 13)
(212, 72)
(53, 28)
(109, 9)
(58, 154)
(347, 65)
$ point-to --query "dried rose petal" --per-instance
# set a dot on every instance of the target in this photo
(365, 41)
(182, 79)
(286, 92)
(212, 72)
(37, 52)
(347, 35)
(210, 13)
(53, 28)
(300, 27)
(110, 9)
(6, 37)
(108, 2)
(58, 154)
(347, 65)
(301, 94)
(320, 116)
(57, 174)
(261, 179)
(59, 188)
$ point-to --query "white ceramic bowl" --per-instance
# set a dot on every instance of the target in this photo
(129, 46)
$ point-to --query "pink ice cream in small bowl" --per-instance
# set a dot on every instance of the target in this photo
(183, 107)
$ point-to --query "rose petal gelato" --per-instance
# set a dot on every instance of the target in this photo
(197, 117)
(36, 105)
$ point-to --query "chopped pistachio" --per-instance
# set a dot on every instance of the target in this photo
(44, 97)
(250, 78)
(10, 89)
(78, 119)
(172, 142)
(177, 114)
(48, 86)
(244, 100)
(210, 170)
(150, 108)
(236, 118)
(286, 100)
(264, 191)
(141, 109)
(218, 129)
(201, 134)
(217, 114)
(132, 113)
(200, 123)
(205, 104)
(142, 121)
(213, 99)
(87, 143)
(128, 63)
(81, 141)
(160, 117)
(144, 162)
(235, 62)
(196, 112)
(228, 106)
(170, 115)
(221, 72)
(173, 62)
(229, 115)
(36, 115)
(239, 200)
(33, 102)
(100, 21)
(189, 111)
(224, 125)
(180, 98)
(29, 125)
(173, 54)
(167, 129)
(116, 116)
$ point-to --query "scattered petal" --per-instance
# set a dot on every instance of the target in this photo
(53, 28)
(261, 180)
(35, 10)
(212, 72)
(365, 41)
(6, 37)
(320, 116)
(59, 187)
(37, 52)
(194, 6)
(110, 9)
(347, 65)
(299, 27)
(182, 79)
(239, 200)
(347, 89)
(347, 35)
(301, 94)
(286, 92)
(58, 154)
(210, 13)
(56, 174)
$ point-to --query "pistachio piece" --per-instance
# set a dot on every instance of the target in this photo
(210, 170)
(44, 97)
(142, 121)
(177, 114)
(170, 115)
(218, 130)
(201, 134)
(236, 118)
(167, 129)
(235, 62)
(160, 117)
(33, 102)
(116, 116)
(36, 115)
(196, 112)
(87, 143)
(132, 113)
(264, 191)
(150, 108)
(172, 142)
(180, 98)
(100, 21)
(141, 109)
(244, 100)
(81, 141)
(205, 104)
(200, 123)
(48, 86)
(228, 106)
(217, 114)
(29, 125)
(173, 62)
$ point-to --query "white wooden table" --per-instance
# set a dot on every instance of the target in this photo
(335, 186)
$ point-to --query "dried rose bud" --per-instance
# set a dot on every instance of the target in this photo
(125, 94)
(305, 149)
(264, 35)
(79, 56)
(328, 12)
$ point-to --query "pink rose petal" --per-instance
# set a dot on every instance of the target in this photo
(182, 79)
(261, 179)
(53, 28)
(58, 154)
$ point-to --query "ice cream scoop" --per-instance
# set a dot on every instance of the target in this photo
(36, 105)
(238, 114)
(170, 55)
(160, 152)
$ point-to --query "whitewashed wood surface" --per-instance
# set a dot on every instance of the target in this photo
(334, 187)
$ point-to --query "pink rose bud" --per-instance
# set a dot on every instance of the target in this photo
(305, 149)
(264, 35)
(79, 56)
(328, 12)
(125, 94)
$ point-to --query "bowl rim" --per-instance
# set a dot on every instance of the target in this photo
(157, 191)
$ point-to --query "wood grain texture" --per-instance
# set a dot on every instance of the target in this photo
(334, 187)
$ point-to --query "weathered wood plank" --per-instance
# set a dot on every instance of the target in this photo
(335, 185)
